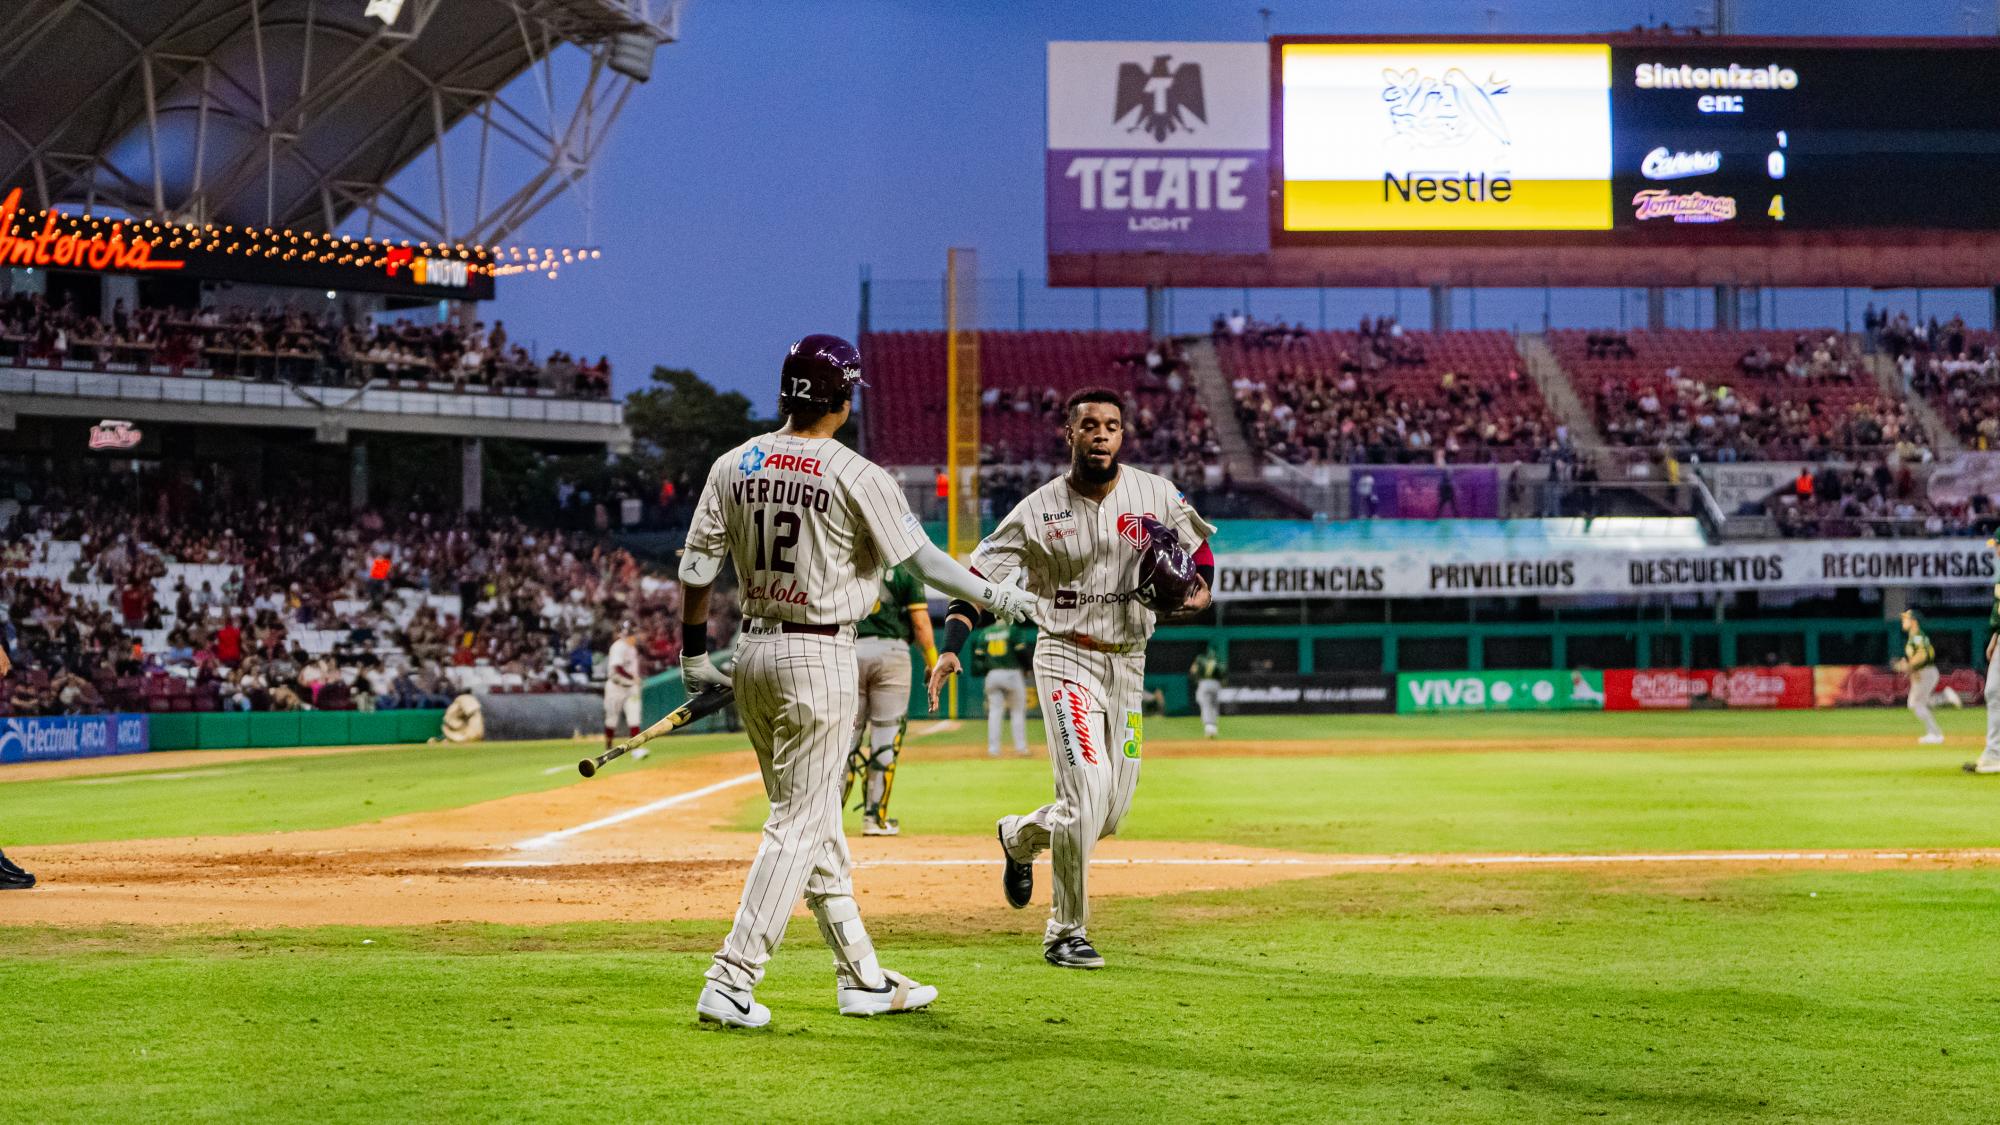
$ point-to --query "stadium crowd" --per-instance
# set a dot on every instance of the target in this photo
(1695, 420)
(291, 344)
(1307, 417)
(1875, 500)
(296, 607)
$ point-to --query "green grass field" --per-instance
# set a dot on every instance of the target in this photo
(1678, 993)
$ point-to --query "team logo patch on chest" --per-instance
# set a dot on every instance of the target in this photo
(1134, 532)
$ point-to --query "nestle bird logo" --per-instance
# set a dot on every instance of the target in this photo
(1436, 112)
(1162, 101)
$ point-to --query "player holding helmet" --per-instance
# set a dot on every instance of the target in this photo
(810, 526)
(1109, 547)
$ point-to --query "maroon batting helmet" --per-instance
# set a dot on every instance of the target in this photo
(1166, 571)
(820, 370)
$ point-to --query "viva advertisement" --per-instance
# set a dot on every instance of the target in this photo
(1547, 690)
(1446, 136)
(1159, 147)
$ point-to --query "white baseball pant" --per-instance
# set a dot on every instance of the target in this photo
(1208, 696)
(1006, 702)
(1091, 711)
(883, 665)
(622, 700)
(1989, 762)
(795, 693)
(1922, 683)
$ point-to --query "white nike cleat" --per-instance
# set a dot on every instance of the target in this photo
(1931, 740)
(732, 1009)
(872, 826)
(897, 994)
(1951, 696)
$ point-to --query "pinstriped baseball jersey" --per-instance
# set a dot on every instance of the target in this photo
(810, 524)
(1084, 555)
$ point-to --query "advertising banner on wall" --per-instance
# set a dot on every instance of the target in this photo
(1421, 493)
(1680, 689)
(1330, 693)
(1538, 690)
(1499, 567)
(1158, 147)
(1865, 685)
(60, 737)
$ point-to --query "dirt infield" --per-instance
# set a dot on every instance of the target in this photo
(654, 845)
(465, 865)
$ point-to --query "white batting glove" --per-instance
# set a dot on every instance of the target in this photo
(699, 673)
(1013, 603)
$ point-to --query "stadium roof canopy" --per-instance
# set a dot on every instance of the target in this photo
(300, 113)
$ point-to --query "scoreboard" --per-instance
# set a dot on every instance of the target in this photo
(1639, 142)
(1608, 160)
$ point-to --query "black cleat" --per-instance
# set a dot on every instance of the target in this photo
(12, 878)
(1017, 879)
(1073, 953)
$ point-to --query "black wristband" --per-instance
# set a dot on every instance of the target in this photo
(694, 638)
(956, 632)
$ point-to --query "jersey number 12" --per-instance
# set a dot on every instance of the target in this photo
(775, 552)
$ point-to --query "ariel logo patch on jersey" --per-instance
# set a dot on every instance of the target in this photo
(752, 460)
(1132, 531)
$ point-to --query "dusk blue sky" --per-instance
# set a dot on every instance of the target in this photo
(780, 147)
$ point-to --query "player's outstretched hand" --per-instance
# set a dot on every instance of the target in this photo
(1012, 603)
(943, 670)
(699, 673)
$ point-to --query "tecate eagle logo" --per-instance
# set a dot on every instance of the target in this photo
(1162, 101)
(1662, 164)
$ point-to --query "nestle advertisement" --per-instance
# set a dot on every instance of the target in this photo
(1158, 147)
(1863, 685)
(61, 737)
(1331, 693)
(1680, 689)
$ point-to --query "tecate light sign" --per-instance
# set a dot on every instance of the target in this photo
(1158, 146)
(1447, 136)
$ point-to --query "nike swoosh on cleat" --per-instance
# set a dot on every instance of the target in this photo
(742, 1008)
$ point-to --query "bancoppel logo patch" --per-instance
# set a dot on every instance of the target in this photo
(1664, 164)
(1161, 101)
(1066, 599)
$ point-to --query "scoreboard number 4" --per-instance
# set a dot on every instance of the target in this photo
(1777, 208)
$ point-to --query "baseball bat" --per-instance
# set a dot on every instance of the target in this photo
(698, 705)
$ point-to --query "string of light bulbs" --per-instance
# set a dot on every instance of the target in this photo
(497, 260)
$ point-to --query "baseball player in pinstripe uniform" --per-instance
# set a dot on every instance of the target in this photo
(1081, 540)
(882, 652)
(810, 525)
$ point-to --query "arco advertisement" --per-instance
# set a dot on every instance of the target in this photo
(1682, 689)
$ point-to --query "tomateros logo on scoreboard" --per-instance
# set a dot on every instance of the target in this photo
(1446, 136)
(1158, 146)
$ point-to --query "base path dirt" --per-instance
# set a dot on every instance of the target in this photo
(468, 864)
(655, 845)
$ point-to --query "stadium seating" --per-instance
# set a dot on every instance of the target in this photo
(1025, 376)
(1383, 396)
(1735, 395)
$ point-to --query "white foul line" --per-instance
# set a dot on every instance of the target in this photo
(648, 809)
(1481, 860)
